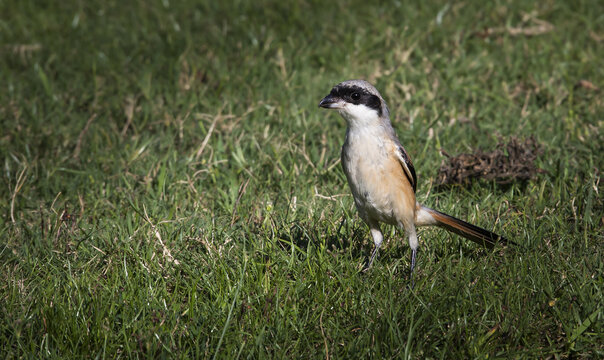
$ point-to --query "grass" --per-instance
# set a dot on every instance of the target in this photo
(170, 188)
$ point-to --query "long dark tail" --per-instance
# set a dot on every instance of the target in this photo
(472, 232)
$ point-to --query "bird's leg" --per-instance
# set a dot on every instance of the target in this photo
(413, 253)
(373, 254)
(377, 241)
(413, 243)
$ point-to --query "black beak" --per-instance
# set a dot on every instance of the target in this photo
(328, 102)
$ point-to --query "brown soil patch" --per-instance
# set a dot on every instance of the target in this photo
(508, 163)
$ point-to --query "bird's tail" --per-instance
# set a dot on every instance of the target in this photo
(472, 232)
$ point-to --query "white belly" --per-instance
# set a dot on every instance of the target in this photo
(366, 168)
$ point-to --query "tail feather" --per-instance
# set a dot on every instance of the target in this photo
(472, 232)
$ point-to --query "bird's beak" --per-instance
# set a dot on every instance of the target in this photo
(331, 102)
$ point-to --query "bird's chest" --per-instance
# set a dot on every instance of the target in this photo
(366, 163)
(364, 159)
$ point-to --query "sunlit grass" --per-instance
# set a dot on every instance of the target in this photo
(170, 188)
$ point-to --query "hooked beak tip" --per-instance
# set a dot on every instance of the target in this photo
(329, 102)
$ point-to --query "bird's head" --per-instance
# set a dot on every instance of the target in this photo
(357, 101)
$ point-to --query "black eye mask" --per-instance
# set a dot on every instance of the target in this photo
(356, 95)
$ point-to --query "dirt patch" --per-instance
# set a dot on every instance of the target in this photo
(508, 163)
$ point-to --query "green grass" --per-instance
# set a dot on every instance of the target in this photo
(169, 187)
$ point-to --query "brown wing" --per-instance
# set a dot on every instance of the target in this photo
(407, 165)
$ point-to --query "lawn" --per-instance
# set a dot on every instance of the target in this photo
(169, 187)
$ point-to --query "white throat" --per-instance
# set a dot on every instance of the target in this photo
(359, 115)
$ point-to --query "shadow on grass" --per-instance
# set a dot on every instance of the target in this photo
(304, 235)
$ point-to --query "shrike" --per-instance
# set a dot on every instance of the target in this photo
(380, 173)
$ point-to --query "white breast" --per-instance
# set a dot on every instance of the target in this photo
(364, 159)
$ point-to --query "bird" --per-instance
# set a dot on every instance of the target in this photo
(381, 175)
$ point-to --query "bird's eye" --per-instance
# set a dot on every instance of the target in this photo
(355, 96)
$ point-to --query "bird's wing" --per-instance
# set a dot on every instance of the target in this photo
(407, 165)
